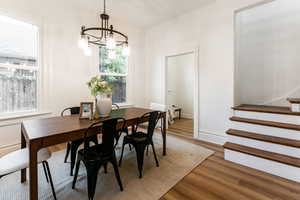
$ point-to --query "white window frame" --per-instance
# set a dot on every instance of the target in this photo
(119, 75)
(39, 72)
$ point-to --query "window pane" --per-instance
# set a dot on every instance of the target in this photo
(18, 42)
(18, 90)
(119, 85)
(118, 65)
(18, 66)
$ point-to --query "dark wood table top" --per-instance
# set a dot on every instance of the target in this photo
(49, 127)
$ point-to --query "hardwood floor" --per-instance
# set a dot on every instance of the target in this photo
(217, 179)
(183, 127)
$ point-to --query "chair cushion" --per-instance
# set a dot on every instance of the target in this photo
(18, 160)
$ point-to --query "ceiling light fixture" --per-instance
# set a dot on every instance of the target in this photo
(104, 36)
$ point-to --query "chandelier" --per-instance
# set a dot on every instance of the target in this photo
(104, 36)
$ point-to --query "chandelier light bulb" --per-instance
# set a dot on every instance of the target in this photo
(83, 43)
(111, 43)
(87, 51)
(126, 51)
(112, 54)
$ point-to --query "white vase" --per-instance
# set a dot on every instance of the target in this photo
(104, 104)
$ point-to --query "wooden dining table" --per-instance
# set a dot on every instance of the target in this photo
(41, 133)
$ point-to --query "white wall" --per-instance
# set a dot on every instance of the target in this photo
(212, 29)
(180, 83)
(267, 53)
(65, 69)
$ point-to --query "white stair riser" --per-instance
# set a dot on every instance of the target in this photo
(276, 148)
(291, 119)
(269, 166)
(266, 130)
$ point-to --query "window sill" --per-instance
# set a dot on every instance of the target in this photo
(21, 115)
(125, 105)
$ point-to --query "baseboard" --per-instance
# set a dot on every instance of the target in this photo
(211, 137)
(187, 116)
(9, 148)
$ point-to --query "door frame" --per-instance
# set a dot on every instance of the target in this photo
(185, 51)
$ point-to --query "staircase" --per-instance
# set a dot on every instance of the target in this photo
(266, 138)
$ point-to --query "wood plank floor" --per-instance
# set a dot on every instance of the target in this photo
(218, 179)
(183, 127)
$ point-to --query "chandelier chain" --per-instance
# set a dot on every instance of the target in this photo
(104, 6)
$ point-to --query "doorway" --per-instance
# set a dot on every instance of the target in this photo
(180, 93)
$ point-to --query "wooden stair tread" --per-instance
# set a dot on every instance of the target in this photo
(294, 100)
(267, 123)
(265, 138)
(266, 109)
(263, 154)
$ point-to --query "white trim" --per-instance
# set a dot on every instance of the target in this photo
(10, 146)
(189, 50)
(24, 67)
(113, 74)
(187, 116)
(125, 105)
(20, 115)
(211, 137)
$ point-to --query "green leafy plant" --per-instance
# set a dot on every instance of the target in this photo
(99, 86)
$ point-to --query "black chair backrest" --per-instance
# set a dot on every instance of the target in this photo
(153, 118)
(73, 111)
(110, 131)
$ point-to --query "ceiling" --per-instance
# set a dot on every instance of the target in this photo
(145, 13)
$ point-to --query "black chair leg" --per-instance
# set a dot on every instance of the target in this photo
(127, 133)
(50, 179)
(147, 151)
(67, 152)
(140, 151)
(154, 153)
(74, 147)
(121, 157)
(76, 174)
(105, 168)
(92, 176)
(117, 174)
(45, 171)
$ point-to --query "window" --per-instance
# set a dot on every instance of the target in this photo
(18, 66)
(114, 71)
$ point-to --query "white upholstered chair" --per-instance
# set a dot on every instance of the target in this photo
(18, 160)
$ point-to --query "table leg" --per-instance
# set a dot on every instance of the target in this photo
(164, 133)
(23, 145)
(179, 114)
(33, 172)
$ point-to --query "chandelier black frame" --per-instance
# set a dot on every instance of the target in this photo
(107, 31)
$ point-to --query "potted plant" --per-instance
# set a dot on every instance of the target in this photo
(102, 91)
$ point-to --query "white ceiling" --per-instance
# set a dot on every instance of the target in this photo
(145, 13)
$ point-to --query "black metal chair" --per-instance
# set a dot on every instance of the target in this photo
(99, 155)
(124, 130)
(141, 140)
(73, 146)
